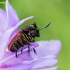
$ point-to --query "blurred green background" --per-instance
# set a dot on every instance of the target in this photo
(44, 11)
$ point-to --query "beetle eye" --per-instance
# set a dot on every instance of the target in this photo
(32, 27)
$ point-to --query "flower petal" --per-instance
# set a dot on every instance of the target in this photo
(8, 35)
(8, 56)
(11, 15)
(6, 61)
(26, 59)
(44, 62)
(19, 67)
(27, 67)
(47, 48)
(3, 22)
(49, 68)
(23, 20)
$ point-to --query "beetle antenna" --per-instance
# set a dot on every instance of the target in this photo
(45, 26)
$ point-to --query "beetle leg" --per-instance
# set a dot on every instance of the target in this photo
(21, 50)
(34, 50)
(15, 50)
(33, 40)
(16, 54)
(28, 49)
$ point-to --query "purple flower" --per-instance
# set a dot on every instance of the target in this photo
(46, 50)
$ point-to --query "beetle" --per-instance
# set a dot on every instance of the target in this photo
(25, 37)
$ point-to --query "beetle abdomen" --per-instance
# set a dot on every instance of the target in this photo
(16, 45)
